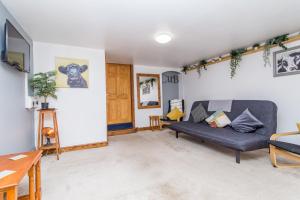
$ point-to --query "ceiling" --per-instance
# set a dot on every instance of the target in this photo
(126, 28)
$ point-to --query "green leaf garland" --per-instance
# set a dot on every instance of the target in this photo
(236, 58)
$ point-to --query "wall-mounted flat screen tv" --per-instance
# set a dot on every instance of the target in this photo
(16, 49)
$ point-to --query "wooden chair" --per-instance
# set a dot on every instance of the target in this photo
(283, 149)
(179, 103)
(157, 122)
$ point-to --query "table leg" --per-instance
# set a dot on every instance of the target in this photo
(31, 183)
(39, 132)
(12, 194)
(38, 180)
(1, 195)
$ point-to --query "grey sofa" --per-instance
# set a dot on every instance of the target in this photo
(265, 111)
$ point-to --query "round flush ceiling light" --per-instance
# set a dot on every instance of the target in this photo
(163, 38)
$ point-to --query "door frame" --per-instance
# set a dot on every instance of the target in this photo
(133, 129)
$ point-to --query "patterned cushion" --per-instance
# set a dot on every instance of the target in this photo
(219, 119)
(199, 113)
(176, 103)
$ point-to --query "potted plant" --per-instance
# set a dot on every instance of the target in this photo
(44, 86)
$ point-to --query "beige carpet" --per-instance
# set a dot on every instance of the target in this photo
(155, 166)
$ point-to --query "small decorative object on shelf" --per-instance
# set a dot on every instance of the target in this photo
(44, 85)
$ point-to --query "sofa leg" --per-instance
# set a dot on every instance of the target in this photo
(237, 157)
(177, 134)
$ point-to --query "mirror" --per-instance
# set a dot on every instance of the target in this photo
(148, 90)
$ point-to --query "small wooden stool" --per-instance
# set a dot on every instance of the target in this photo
(155, 122)
(48, 132)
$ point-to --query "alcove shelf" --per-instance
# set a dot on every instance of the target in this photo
(250, 50)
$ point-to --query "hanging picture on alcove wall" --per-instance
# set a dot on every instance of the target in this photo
(286, 62)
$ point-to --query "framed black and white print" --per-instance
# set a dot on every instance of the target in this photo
(286, 62)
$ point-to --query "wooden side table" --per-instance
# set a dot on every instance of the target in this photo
(155, 122)
(30, 165)
(48, 131)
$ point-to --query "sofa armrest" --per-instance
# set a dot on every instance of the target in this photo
(278, 135)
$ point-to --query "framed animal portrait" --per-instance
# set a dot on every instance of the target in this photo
(286, 62)
(72, 73)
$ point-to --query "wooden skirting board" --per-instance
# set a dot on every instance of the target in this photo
(79, 147)
(121, 132)
(128, 131)
(84, 146)
(147, 128)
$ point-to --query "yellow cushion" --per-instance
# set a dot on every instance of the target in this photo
(175, 114)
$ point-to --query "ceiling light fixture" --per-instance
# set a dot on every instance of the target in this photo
(163, 38)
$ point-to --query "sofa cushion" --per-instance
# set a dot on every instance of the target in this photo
(224, 136)
(294, 148)
(175, 114)
(246, 122)
(198, 113)
(218, 119)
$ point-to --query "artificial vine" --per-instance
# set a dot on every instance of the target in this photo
(148, 81)
(269, 43)
(236, 58)
(201, 65)
(185, 69)
(236, 55)
(256, 46)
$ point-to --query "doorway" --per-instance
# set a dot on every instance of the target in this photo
(170, 87)
(119, 98)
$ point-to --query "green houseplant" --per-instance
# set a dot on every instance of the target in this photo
(44, 86)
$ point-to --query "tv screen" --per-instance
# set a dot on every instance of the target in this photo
(17, 49)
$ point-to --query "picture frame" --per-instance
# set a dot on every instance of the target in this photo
(286, 62)
(148, 91)
(72, 72)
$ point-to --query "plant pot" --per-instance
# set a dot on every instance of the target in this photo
(45, 106)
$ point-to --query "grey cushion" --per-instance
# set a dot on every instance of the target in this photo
(199, 113)
(246, 122)
(224, 136)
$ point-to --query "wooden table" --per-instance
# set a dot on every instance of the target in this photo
(30, 165)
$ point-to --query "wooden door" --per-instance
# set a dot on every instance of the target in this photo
(119, 94)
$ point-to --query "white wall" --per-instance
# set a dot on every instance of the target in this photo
(142, 115)
(16, 123)
(252, 81)
(81, 112)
